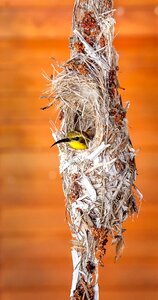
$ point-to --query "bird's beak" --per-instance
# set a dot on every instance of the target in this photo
(65, 140)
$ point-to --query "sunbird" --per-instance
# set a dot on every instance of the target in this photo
(76, 140)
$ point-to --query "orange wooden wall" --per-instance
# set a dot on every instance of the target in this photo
(34, 238)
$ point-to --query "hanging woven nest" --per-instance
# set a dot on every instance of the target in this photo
(98, 182)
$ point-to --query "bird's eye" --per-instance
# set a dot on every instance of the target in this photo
(76, 138)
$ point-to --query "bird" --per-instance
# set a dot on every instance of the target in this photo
(76, 140)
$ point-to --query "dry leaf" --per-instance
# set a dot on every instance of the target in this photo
(119, 249)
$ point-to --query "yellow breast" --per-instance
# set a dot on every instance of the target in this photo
(77, 145)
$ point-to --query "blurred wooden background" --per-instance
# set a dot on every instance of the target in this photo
(35, 262)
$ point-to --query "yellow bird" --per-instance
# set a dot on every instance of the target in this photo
(76, 140)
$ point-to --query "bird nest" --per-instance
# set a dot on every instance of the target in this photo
(98, 183)
(99, 180)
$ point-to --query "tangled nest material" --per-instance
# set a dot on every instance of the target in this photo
(99, 182)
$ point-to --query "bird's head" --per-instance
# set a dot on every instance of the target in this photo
(76, 140)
